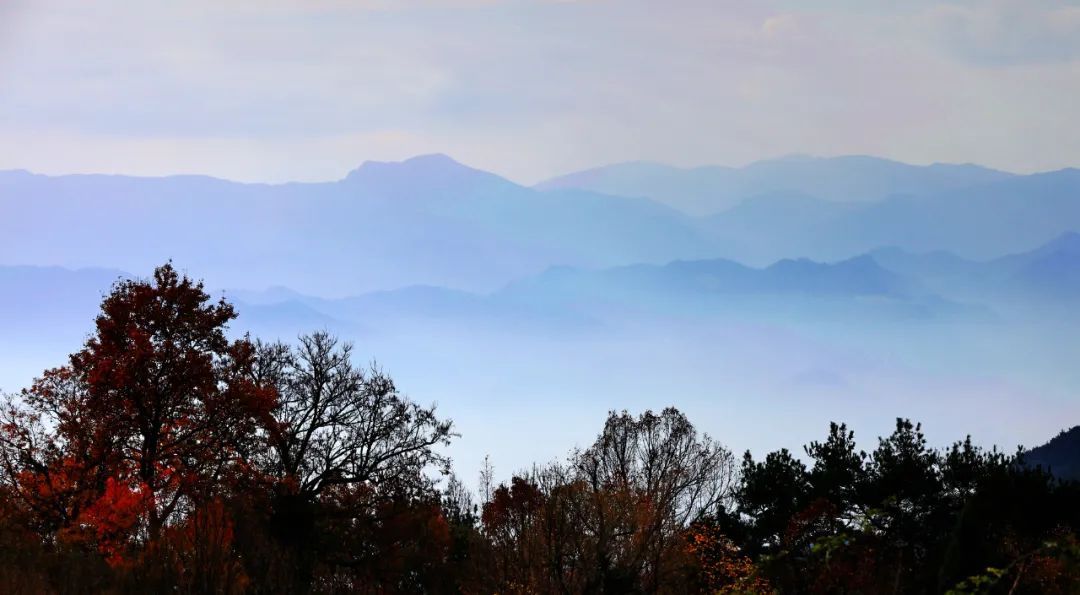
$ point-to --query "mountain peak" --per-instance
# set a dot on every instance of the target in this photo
(433, 170)
(429, 161)
(434, 160)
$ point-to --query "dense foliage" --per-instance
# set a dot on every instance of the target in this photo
(166, 458)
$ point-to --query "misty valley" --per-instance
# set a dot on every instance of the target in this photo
(390, 347)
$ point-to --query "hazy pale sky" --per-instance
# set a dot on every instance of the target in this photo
(275, 90)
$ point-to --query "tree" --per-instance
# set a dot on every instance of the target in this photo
(770, 493)
(614, 518)
(148, 418)
(350, 459)
(513, 520)
(649, 478)
(335, 423)
(839, 472)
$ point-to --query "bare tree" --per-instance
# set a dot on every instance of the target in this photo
(339, 424)
(648, 477)
(614, 518)
(663, 458)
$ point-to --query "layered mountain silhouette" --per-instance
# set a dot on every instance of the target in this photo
(711, 189)
(1050, 272)
(433, 221)
(428, 220)
(859, 276)
(979, 222)
(563, 297)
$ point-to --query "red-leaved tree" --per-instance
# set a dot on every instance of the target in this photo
(150, 417)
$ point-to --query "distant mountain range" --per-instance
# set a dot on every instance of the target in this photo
(884, 285)
(712, 189)
(979, 222)
(1048, 273)
(856, 287)
(427, 220)
(432, 221)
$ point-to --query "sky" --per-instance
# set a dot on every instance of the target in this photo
(279, 90)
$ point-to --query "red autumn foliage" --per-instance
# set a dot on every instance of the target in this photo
(113, 519)
(721, 566)
(149, 417)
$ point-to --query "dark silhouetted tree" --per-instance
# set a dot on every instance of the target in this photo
(352, 461)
